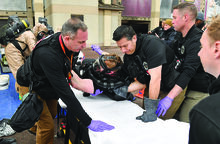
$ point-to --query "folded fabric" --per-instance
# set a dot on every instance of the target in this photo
(5, 129)
(8, 141)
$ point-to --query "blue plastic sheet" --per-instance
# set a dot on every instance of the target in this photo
(9, 99)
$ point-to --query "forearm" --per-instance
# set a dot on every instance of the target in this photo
(85, 85)
(136, 85)
(154, 86)
(154, 89)
(175, 91)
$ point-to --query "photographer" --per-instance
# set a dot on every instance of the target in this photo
(19, 46)
(18, 43)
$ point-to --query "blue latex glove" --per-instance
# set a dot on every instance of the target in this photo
(99, 126)
(163, 106)
(97, 92)
(97, 49)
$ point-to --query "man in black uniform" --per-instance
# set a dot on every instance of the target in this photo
(188, 62)
(204, 117)
(52, 60)
(143, 60)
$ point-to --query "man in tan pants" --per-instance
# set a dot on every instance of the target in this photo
(15, 58)
(188, 62)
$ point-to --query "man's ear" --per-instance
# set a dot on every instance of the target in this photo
(217, 49)
(65, 38)
(186, 17)
(134, 38)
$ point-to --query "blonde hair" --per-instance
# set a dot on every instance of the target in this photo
(213, 29)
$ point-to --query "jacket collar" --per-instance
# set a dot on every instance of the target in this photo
(215, 86)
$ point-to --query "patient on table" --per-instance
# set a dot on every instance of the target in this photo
(102, 75)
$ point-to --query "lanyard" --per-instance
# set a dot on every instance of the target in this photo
(70, 59)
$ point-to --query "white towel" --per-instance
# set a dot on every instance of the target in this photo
(122, 115)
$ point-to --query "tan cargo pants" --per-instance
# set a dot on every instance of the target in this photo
(45, 124)
(192, 98)
(21, 90)
(44, 128)
(175, 105)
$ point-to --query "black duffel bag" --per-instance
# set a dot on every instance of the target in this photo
(27, 113)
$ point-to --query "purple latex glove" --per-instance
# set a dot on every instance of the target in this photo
(97, 92)
(97, 49)
(164, 105)
(99, 126)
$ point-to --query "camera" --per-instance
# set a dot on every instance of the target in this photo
(44, 21)
(3, 37)
(17, 28)
(50, 30)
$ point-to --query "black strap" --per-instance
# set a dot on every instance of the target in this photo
(16, 44)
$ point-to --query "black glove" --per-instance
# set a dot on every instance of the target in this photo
(121, 91)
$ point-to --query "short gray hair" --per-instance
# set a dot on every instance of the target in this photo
(71, 26)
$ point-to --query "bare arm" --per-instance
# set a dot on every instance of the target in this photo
(136, 85)
(154, 87)
(176, 90)
(85, 85)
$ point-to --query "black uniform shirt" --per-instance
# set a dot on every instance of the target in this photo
(191, 62)
(151, 50)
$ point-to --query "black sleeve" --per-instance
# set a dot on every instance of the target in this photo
(155, 51)
(190, 65)
(53, 66)
(204, 121)
(170, 38)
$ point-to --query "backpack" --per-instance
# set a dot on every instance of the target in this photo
(26, 75)
(27, 114)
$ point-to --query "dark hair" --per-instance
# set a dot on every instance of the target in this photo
(123, 31)
(187, 6)
(71, 26)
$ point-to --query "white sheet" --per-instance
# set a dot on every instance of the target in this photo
(128, 130)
